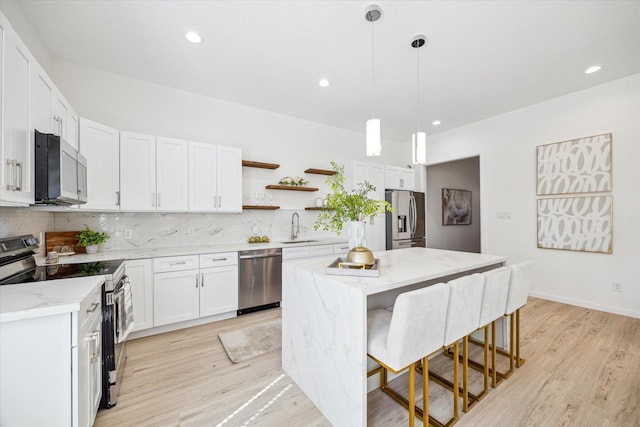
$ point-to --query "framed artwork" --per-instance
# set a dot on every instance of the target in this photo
(577, 166)
(456, 207)
(576, 223)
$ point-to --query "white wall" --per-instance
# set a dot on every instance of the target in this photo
(13, 12)
(506, 145)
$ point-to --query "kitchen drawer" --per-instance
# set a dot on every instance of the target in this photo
(341, 249)
(294, 253)
(175, 263)
(320, 250)
(218, 259)
(90, 307)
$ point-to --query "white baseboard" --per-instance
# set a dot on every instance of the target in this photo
(180, 325)
(586, 304)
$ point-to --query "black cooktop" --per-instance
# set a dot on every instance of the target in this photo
(64, 271)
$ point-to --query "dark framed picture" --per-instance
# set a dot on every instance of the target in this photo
(456, 207)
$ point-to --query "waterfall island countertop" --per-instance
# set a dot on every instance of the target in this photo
(324, 320)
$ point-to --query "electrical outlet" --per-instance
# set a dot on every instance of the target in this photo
(503, 215)
(127, 234)
(616, 286)
(190, 231)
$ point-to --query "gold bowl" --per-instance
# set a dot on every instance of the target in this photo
(361, 255)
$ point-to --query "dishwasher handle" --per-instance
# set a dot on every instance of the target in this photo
(259, 256)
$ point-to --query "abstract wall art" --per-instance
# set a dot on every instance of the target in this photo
(456, 207)
(577, 166)
(576, 223)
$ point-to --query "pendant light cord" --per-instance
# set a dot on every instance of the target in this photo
(418, 92)
(373, 73)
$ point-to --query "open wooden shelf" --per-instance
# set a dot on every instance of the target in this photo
(315, 208)
(261, 207)
(320, 171)
(261, 165)
(290, 187)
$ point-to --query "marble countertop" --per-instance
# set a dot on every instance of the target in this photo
(404, 266)
(184, 250)
(38, 299)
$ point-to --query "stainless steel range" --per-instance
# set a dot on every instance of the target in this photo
(17, 265)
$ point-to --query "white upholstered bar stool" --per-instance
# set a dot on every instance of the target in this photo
(519, 284)
(398, 340)
(463, 316)
(494, 298)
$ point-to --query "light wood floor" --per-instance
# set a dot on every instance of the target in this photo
(582, 369)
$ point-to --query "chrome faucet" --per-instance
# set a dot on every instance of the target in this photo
(296, 230)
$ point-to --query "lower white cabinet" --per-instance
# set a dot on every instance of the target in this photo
(140, 272)
(51, 368)
(187, 293)
(306, 251)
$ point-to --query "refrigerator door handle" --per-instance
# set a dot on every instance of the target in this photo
(412, 215)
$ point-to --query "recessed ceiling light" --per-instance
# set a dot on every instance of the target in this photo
(436, 122)
(592, 69)
(193, 37)
(323, 83)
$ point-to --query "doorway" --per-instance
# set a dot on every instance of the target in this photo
(463, 174)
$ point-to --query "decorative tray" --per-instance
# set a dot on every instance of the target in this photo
(341, 267)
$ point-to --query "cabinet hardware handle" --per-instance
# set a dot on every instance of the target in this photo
(12, 187)
(159, 199)
(117, 198)
(94, 305)
(202, 280)
(178, 263)
(196, 280)
(219, 259)
(19, 176)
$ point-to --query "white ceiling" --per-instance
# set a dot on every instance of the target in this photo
(483, 58)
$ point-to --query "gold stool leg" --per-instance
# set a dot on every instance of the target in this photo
(486, 360)
(425, 391)
(465, 374)
(412, 406)
(519, 361)
(494, 382)
(456, 411)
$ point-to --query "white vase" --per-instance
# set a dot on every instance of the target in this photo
(356, 234)
(92, 249)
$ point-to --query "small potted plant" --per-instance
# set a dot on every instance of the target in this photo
(91, 239)
(352, 207)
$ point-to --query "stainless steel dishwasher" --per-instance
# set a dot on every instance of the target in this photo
(260, 280)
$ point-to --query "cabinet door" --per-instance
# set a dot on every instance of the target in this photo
(95, 369)
(60, 112)
(295, 253)
(41, 100)
(229, 179)
(137, 172)
(172, 175)
(175, 296)
(73, 128)
(16, 164)
(408, 179)
(83, 380)
(141, 277)
(320, 250)
(218, 290)
(100, 144)
(202, 176)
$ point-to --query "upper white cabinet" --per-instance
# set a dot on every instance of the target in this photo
(153, 173)
(397, 178)
(215, 178)
(100, 144)
(172, 187)
(16, 157)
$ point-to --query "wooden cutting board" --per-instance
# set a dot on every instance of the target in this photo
(63, 238)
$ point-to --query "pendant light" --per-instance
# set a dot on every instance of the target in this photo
(374, 145)
(419, 139)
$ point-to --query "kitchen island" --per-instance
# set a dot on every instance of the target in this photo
(324, 320)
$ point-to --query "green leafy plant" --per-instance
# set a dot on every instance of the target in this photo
(344, 205)
(294, 181)
(88, 237)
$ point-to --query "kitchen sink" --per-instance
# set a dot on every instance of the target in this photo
(286, 242)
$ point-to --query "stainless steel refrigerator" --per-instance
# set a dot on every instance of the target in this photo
(405, 225)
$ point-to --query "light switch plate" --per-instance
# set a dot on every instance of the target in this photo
(503, 215)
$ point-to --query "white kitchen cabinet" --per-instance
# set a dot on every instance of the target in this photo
(100, 144)
(306, 251)
(51, 368)
(398, 178)
(140, 272)
(187, 293)
(137, 172)
(341, 249)
(218, 283)
(176, 296)
(16, 156)
(172, 187)
(153, 173)
(219, 188)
